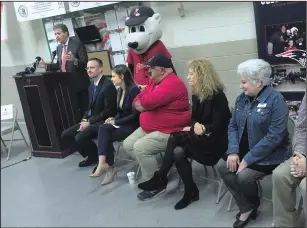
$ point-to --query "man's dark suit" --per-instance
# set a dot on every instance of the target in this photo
(102, 106)
(79, 80)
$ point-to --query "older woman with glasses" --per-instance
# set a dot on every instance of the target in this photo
(258, 138)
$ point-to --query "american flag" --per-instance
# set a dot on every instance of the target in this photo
(297, 55)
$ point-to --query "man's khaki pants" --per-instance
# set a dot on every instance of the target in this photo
(284, 195)
(144, 148)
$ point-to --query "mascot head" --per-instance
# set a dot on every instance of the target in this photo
(143, 28)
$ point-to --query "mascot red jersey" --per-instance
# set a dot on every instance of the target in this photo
(142, 34)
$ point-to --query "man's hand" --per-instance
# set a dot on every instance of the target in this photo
(83, 126)
(70, 57)
(298, 165)
(186, 129)
(233, 161)
(139, 107)
(109, 120)
(42, 64)
(242, 166)
(112, 122)
(199, 129)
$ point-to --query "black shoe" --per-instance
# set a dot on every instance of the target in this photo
(241, 224)
(253, 215)
(190, 195)
(156, 182)
(147, 195)
(87, 162)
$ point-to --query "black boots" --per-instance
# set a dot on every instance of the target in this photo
(156, 182)
(191, 194)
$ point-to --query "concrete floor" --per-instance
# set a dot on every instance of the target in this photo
(43, 192)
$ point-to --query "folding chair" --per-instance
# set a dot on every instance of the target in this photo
(300, 206)
(125, 159)
(8, 113)
(219, 182)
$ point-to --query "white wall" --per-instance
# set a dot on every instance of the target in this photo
(205, 22)
(26, 40)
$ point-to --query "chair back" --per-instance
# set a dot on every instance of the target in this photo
(8, 112)
(291, 127)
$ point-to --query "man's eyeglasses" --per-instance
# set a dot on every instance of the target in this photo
(90, 68)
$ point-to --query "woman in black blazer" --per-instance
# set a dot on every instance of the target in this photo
(205, 140)
(119, 127)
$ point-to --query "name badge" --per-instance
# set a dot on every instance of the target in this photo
(261, 105)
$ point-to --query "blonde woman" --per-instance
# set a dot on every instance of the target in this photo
(205, 140)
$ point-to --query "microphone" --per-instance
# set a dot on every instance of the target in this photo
(53, 56)
(38, 59)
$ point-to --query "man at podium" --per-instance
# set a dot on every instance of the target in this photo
(103, 104)
(71, 57)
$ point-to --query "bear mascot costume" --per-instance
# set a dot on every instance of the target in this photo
(143, 32)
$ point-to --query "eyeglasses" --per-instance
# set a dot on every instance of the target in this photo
(90, 68)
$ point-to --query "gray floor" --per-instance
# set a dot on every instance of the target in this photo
(55, 192)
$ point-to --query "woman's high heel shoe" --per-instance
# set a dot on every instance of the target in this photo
(110, 177)
(98, 172)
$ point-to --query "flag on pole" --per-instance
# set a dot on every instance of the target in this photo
(3, 21)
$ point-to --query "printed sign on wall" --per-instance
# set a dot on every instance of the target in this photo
(26, 11)
(76, 6)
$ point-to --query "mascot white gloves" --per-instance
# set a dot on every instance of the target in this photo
(143, 32)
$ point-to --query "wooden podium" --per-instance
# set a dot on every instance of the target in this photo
(49, 106)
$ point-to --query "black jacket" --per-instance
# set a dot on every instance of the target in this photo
(215, 115)
(127, 115)
(103, 105)
(79, 80)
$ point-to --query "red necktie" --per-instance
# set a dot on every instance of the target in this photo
(64, 59)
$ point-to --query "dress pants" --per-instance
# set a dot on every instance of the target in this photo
(284, 195)
(107, 135)
(144, 148)
(83, 140)
(243, 186)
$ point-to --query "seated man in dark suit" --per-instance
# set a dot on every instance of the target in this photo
(102, 105)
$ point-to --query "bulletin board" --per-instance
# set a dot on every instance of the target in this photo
(105, 58)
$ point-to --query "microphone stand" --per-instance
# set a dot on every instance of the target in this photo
(53, 56)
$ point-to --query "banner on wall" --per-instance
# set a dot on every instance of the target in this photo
(26, 11)
(3, 22)
(76, 6)
(281, 32)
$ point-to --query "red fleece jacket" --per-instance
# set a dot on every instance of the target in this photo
(167, 105)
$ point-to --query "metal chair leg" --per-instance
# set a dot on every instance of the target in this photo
(6, 150)
(219, 192)
(230, 203)
(24, 138)
(300, 206)
(10, 146)
(116, 153)
(138, 172)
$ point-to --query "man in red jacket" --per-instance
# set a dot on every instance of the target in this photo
(164, 107)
